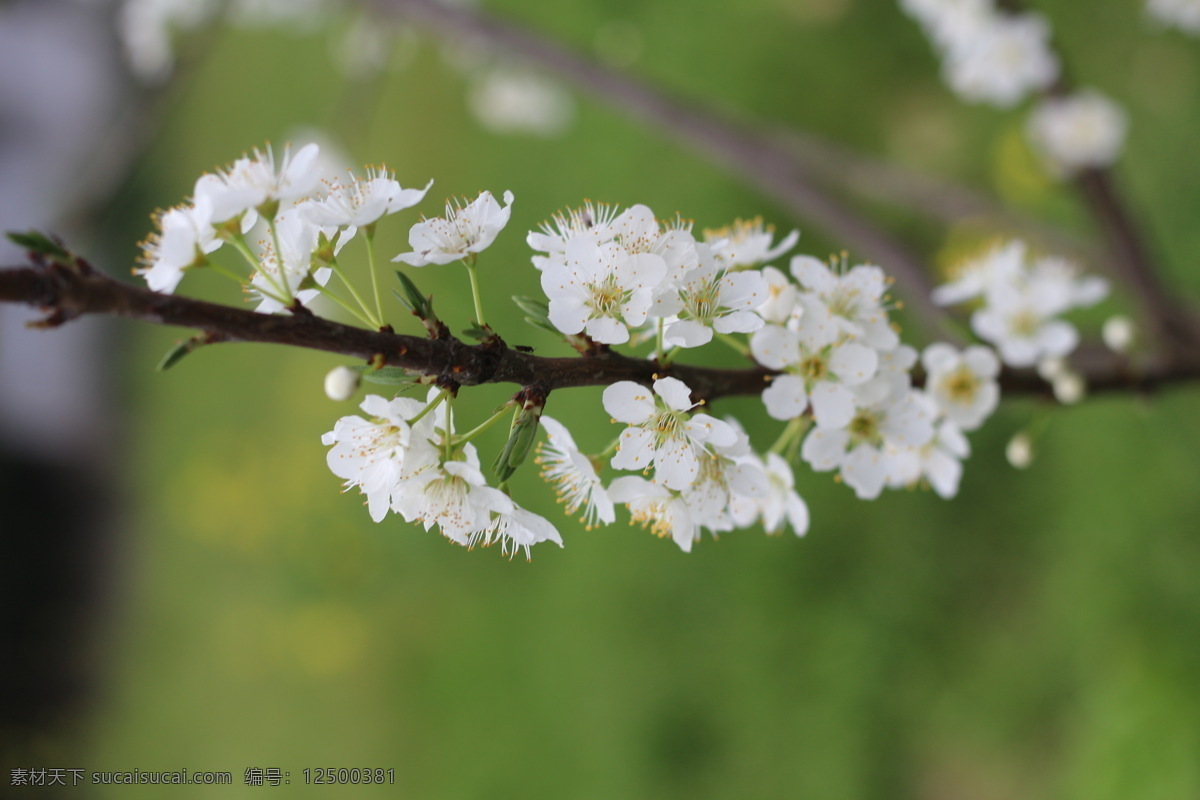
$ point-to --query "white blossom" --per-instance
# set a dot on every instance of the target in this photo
(852, 300)
(938, 461)
(377, 454)
(185, 235)
(747, 243)
(1183, 14)
(714, 298)
(358, 202)
(252, 182)
(962, 384)
(1002, 60)
(661, 432)
(517, 529)
(592, 221)
(463, 232)
(507, 100)
(658, 509)
(341, 383)
(1083, 130)
(601, 289)
(453, 495)
(573, 475)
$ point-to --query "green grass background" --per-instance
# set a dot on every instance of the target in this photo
(1037, 637)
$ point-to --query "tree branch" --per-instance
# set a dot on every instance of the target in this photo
(65, 293)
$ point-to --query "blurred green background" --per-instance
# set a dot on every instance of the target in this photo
(1037, 637)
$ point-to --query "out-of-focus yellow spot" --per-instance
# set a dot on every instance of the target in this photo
(1018, 176)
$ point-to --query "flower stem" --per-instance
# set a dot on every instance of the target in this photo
(287, 292)
(470, 265)
(658, 341)
(437, 401)
(483, 426)
(349, 308)
(370, 318)
(794, 430)
(369, 231)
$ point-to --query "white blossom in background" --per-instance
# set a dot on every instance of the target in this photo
(747, 243)
(962, 384)
(661, 430)
(1022, 301)
(510, 100)
(948, 23)
(1119, 333)
(778, 505)
(463, 232)
(573, 476)
(378, 454)
(146, 28)
(1002, 61)
(1083, 130)
(301, 14)
(712, 298)
(1182, 14)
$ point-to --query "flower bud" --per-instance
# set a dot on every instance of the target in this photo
(1118, 333)
(1019, 451)
(341, 383)
(1069, 387)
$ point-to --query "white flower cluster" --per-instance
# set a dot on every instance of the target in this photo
(842, 365)
(996, 57)
(606, 273)
(406, 460)
(1182, 14)
(1022, 299)
(1085, 129)
(988, 55)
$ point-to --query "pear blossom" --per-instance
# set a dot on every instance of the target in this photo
(864, 451)
(601, 289)
(517, 529)
(663, 512)
(363, 201)
(853, 301)
(252, 182)
(379, 453)
(573, 475)
(1002, 60)
(291, 267)
(747, 243)
(939, 461)
(962, 384)
(638, 231)
(453, 495)
(1183, 14)
(1002, 264)
(520, 101)
(714, 298)
(661, 430)
(778, 504)
(814, 372)
(1083, 130)
(1022, 323)
(463, 232)
(592, 221)
(780, 303)
(185, 235)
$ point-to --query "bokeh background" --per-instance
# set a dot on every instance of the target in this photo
(1036, 637)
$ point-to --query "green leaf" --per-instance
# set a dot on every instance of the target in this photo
(176, 353)
(537, 312)
(419, 304)
(38, 242)
(521, 436)
(387, 376)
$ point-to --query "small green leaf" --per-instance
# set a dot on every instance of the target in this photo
(537, 313)
(181, 349)
(387, 376)
(38, 242)
(419, 304)
(480, 334)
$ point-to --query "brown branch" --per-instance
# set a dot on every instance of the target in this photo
(64, 293)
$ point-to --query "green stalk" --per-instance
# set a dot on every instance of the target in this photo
(369, 232)
(371, 320)
(470, 265)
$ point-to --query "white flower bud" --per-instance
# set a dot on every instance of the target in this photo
(1019, 451)
(1052, 367)
(1069, 388)
(1118, 333)
(341, 383)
